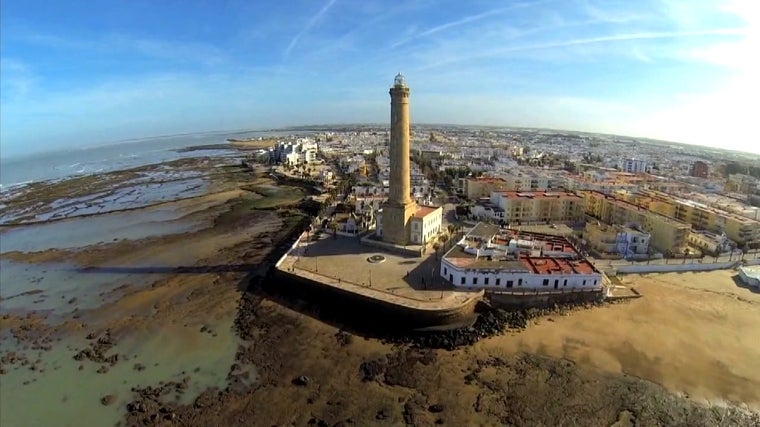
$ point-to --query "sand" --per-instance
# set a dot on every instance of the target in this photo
(694, 333)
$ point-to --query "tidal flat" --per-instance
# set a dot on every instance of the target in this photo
(155, 308)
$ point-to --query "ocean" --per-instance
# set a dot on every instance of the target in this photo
(72, 162)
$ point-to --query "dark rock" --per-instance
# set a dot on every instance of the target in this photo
(102, 370)
(371, 369)
(344, 338)
(301, 380)
(108, 399)
(139, 367)
(436, 408)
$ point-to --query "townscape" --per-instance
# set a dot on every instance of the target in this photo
(332, 213)
(526, 262)
(620, 200)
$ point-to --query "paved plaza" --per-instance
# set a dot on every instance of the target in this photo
(345, 262)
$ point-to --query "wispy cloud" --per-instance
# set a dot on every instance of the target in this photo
(193, 52)
(18, 79)
(589, 41)
(463, 21)
(309, 25)
(616, 16)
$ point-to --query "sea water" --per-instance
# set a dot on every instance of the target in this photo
(113, 157)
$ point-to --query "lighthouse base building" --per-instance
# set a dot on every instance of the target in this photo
(423, 224)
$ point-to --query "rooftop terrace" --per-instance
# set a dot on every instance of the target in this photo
(489, 246)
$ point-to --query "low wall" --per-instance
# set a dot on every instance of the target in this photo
(361, 311)
(287, 252)
(540, 300)
(667, 268)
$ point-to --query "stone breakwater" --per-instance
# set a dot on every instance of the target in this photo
(490, 322)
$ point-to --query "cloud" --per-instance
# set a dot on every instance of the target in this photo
(463, 21)
(18, 79)
(309, 25)
(588, 41)
(112, 43)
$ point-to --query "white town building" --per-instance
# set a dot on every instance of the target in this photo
(303, 151)
(634, 166)
(425, 224)
(501, 260)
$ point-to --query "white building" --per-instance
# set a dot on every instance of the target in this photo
(634, 166)
(510, 261)
(750, 275)
(484, 209)
(710, 243)
(425, 224)
(619, 240)
(303, 151)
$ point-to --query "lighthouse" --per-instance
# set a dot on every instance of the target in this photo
(400, 207)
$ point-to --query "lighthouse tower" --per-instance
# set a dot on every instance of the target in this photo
(400, 207)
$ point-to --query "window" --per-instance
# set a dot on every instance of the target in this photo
(498, 281)
(509, 283)
(445, 270)
(451, 278)
(584, 283)
(519, 282)
(565, 283)
(485, 281)
(546, 282)
(462, 280)
(474, 280)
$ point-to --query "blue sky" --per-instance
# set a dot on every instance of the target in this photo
(88, 72)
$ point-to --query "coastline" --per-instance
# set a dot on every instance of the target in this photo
(201, 299)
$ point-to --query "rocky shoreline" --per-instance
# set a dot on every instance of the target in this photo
(500, 390)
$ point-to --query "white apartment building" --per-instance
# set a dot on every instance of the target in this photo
(304, 150)
(634, 166)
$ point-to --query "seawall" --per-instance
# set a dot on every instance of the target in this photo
(363, 311)
(542, 300)
(667, 268)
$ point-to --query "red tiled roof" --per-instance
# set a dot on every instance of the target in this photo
(424, 211)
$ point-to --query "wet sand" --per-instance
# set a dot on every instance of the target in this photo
(166, 303)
